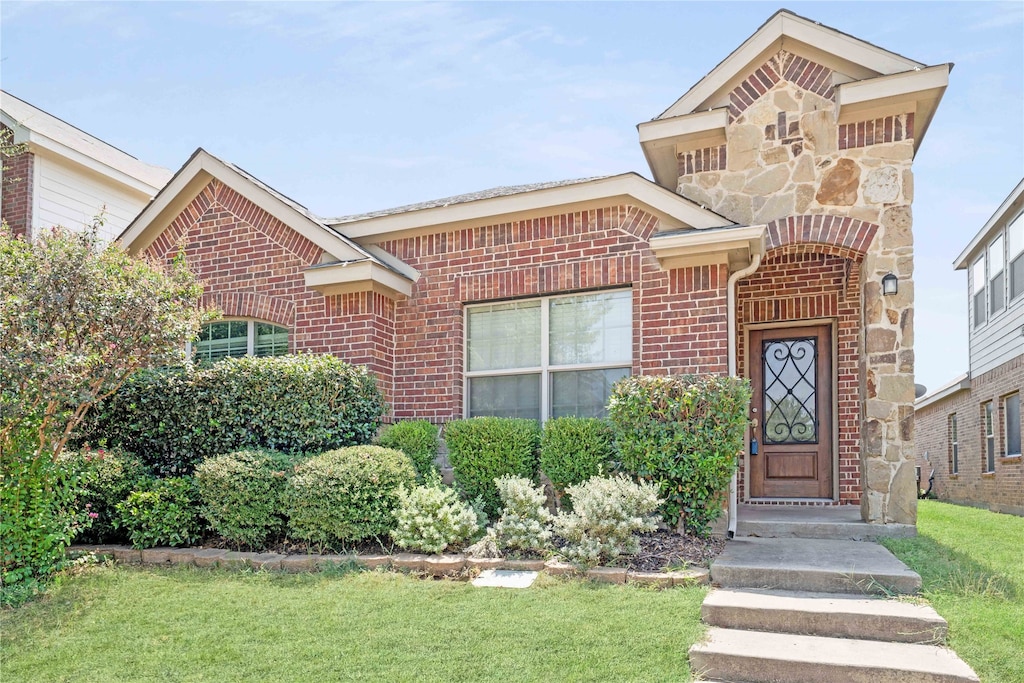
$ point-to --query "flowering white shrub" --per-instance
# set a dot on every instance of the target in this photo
(525, 523)
(606, 514)
(432, 518)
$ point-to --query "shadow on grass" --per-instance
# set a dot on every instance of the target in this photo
(946, 570)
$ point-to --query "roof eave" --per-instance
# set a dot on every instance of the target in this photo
(1014, 200)
(702, 247)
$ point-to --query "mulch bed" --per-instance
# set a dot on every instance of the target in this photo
(658, 550)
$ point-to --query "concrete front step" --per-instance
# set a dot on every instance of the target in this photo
(833, 615)
(841, 522)
(759, 657)
(826, 566)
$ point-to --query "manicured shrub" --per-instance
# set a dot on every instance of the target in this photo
(684, 434)
(481, 449)
(175, 418)
(241, 495)
(165, 513)
(607, 514)
(432, 518)
(107, 477)
(574, 449)
(347, 494)
(417, 439)
(525, 522)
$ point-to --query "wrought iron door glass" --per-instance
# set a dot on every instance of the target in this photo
(790, 391)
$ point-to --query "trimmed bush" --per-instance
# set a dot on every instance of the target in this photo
(176, 418)
(684, 434)
(417, 439)
(574, 449)
(432, 518)
(481, 449)
(166, 513)
(242, 493)
(347, 495)
(525, 522)
(107, 478)
(607, 514)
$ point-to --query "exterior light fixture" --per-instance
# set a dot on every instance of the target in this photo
(890, 284)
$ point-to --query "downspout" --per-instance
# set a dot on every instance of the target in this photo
(730, 297)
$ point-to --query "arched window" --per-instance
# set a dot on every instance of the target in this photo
(234, 338)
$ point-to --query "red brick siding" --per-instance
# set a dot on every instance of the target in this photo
(252, 266)
(16, 207)
(1002, 491)
(793, 285)
(679, 316)
(876, 131)
(797, 70)
(700, 160)
(837, 235)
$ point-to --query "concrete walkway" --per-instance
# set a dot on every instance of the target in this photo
(808, 609)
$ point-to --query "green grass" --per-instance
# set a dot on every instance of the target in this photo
(971, 563)
(122, 624)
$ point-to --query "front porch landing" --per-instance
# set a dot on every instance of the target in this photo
(838, 522)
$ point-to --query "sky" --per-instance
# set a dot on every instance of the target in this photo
(351, 107)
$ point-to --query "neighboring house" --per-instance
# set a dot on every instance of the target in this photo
(781, 201)
(968, 431)
(67, 177)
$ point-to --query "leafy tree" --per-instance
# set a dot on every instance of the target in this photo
(77, 317)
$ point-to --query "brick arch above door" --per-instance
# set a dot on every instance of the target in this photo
(253, 305)
(841, 236)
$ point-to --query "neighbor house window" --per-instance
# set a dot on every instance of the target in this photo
(954, 446)
(978, 281)
(1015, 250)
(1011, 427)
(989, 436)
(548, 357)
(234, 338)
(996, 276)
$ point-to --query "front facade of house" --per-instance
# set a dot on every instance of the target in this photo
(67, 177)
(969, 431)
(781, 199)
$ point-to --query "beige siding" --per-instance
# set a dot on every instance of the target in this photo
(69, 195)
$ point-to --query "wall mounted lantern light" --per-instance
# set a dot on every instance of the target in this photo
(890, 284)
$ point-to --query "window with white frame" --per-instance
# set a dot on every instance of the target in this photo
(954, 446)
(1015, 253)
(1011, 424)
(996, 276)
(978, 284)
(550, 357)
(235, 338)
(988, 437)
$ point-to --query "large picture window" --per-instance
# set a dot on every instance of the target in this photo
(548, 357)
(235, 338)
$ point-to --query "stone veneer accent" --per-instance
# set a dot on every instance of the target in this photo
(784, 160)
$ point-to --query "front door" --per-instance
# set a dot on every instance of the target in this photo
(791, 411)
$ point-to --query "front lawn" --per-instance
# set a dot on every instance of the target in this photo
(972, 565)
(123, 624)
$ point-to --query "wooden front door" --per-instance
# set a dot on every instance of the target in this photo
(791, 411)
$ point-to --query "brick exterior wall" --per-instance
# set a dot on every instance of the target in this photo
(679, 316)
(16, 206)
(251, 265)
(1003, 490)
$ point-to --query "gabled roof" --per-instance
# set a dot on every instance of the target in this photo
(1007, 211)
(525, 201)
(43, 131)
(869, 80)
(345, 266)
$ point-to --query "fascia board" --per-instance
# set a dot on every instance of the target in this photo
(492, 209)
(751, 237)
(956, 386)
(901, 85)
(983, 236)
(360, 276)
(37, 141)
(659, 139)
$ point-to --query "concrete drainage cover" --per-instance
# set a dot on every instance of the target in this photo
(504, 578)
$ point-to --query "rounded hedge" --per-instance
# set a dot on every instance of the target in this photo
(574, 449)
(176, 418)
(347, 494)
(241, 495)
(481, 449)
(416, 438)
(166, 512)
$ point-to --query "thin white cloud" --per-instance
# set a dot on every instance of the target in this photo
(999, 15)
